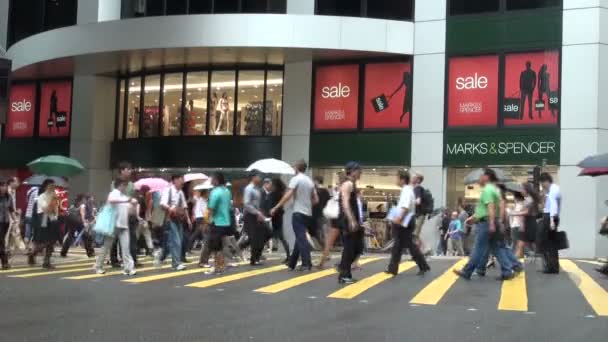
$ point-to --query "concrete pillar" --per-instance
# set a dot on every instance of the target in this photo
(4, 23)
(300, 6)
(93, 11)
(93, 116)
(584, 127)
(427, 119)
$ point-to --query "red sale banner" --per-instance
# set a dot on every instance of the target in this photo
(55, 107)
(336, 97)
(388, 95)
(531, 89)
(21, 108)
(473, 91)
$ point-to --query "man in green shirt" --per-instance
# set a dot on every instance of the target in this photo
(486, 219)
(220, 211)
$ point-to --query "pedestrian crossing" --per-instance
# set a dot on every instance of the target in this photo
(439, 288)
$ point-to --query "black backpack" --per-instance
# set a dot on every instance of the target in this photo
(427, 202)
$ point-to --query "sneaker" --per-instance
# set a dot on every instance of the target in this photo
(129, 273)
(233, 264)
(344, 280)
(461, 274)
(100, 271)
(204, 265)
(214, 271)
(180, 267)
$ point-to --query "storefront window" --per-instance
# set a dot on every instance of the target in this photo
(222, 102)
(172, 104)
(458, 7)
(250, 109)
(59, 13)
(226, 6)
(151, 106)
(175, 7)
(274, 103)
(121, 110)
(390, 9)
(133, 107)
(254, 6)
(196, 103)
(29, 17)
(531, 4)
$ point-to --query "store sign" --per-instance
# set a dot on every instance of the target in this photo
(55, 109)
(531, 95)
(473, 91)
(501, 149)
(336, 97)
(22, 105)
(388, 95)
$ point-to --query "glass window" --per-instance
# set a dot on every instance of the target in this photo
(250, 109)
(226, 6)
(121, 110)
(172, 104)
(133, 107)
(390, 9)
(151, 105)
(274, 103)
(200, 6)
(25, 19)
(278, 6)
(59, 13)
(154, 7)
(196, 104)
(254, 6)
(175, 7)
(530, 4)
(222, 102)
(350, 8)
(473, 6)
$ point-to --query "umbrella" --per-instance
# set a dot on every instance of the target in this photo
(597, 161)
(155, 184)
(205, 186)
(58, 166)
(271, 165)
(594, 171)
(514, 187)
(195, 177)
(473, 176)
(37, 180)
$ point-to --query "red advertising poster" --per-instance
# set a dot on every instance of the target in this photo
(531, 89)
(55, 107)
(21, 108)
(388, 95)
(336, 97)
(473, 91)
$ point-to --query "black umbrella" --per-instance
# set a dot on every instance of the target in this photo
(597, 161)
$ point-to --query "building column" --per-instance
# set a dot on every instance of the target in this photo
(584, 125)
(92, 132)
(93, 11)
(429, 78)
(4, 7)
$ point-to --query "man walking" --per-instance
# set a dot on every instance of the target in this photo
(527, 83)
(317, 212)
(548, 242)
(302, 190)
(174, 203)
(124, 173)
(254, 220)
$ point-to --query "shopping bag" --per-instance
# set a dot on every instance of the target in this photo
(106, 221)
(510, 108)
(539, 105)
(562, 240)
(62, 118)
(553, 100)
(50, 123)
(332, 209)
(380, 103)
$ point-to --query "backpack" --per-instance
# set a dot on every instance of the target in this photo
(427, 202)
(73, 215)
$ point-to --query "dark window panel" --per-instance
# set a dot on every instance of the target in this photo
(25, 19)
(226, 6)
(348, 8)
(390, 9)
(200, 6)
(278, 6)
(59, 13)
(531, 4)
(254, 6)
(473, 6)
(154, 8)
(176, 7)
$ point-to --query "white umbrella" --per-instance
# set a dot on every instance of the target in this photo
(273, 166)
(204, 186)
(195, 177)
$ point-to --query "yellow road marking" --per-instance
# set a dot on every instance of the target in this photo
(353, 290)
(597, 263)
(172, 274)
(238, 276)
(595, 295)
(38, 267)
(297, 281)
(432, 293)
(52, 272)
(514, 295)
(113, 273)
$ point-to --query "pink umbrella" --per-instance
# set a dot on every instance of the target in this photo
(155, 184)
(594, 171)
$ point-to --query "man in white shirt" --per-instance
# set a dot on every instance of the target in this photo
(548, 242)
(403, 225)
(174, 203)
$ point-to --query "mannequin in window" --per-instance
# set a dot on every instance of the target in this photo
(544, 88)
(407, 100)
(223, 107)
(214, 111)
(527, 83)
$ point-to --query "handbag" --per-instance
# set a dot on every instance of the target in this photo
(62, 119)
(561, 240)
(510, 107)
(380, 103)
(106, 221)
(332, 209)
(539, 104)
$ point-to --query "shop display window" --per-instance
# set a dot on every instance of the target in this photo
(274, 103)
(223, 86)
(458, 7)
(250, 108)
(133, 105)
(196, 103)
(150, 113)
(121, 109)
(172, 104)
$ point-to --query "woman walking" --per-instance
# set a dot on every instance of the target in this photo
(334, 225)
(276, 193)
(516, 220)
(6, 212)
(46, 224)
(529, 213)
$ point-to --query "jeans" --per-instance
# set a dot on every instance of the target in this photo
(485, 244)
(174, 236)
(300, 223)
(29, 230)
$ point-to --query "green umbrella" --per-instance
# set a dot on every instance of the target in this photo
(57, 166)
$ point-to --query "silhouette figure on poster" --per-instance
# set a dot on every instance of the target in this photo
(52, 121)
(407, 100)
(527, 83)
(544, 88)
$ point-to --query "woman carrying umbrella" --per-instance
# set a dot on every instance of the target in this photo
(45, 223)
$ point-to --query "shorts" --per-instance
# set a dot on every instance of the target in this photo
(419, 223)
(216, 235)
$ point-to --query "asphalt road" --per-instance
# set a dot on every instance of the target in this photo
(269, 303)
